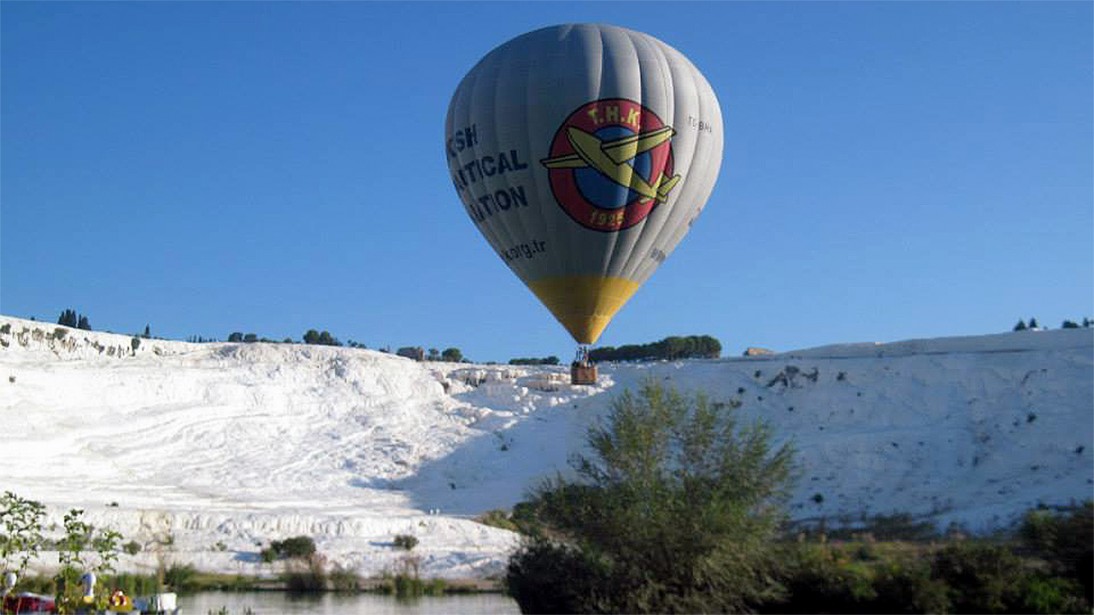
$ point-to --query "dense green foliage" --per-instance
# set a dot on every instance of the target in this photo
(321, 338)
(671, 348)
(1066, 324)
(1044, 568)
(551, 360)
(1065, 542)
(20, 531)
(406, 542)
(297, 547)
(672, 513)
(306, 574)
(676, 510)
(403, 585)
(343, 579)
(70, 318)
(411, 352)
(960, 576)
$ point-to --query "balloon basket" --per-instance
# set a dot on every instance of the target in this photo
(582, 374)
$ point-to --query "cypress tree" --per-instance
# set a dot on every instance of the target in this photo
(68, 318)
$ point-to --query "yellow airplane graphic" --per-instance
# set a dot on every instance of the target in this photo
(610, 159)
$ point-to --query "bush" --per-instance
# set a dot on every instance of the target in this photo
(550, 577)
(406, 542)
(297, 547)
(343, 579)
(819, 579)
(674, 512)
(497, 518)
(307, 575)
(407, 586)
(982, 577)
(132, 584)
(1051, 595)
(180, 577)
(1066, 542)
(906, 586)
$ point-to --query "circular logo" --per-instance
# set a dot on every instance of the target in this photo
(610, 164)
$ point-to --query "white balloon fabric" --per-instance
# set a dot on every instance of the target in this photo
(584, 153)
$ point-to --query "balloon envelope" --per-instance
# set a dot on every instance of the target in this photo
(584, 153)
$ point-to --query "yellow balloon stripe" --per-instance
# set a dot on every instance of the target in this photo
(584, 304)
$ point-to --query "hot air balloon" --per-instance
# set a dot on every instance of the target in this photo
(584, 153)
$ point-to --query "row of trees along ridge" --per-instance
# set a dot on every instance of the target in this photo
(671, 348)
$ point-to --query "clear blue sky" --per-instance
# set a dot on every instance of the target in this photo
(892, 170)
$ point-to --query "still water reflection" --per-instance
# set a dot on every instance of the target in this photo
(281, 603)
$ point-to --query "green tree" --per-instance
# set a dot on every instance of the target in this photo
(551, 360)
(83, 323)
(671, 513)
(235, 336)
(434, 355)
(452, 355)
(68, 318)
(296, 547)
(406, 542)
(672, 348)
(321, 338)
(1069, 324)
(1021, 326)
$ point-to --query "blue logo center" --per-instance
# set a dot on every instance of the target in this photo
(600, 190)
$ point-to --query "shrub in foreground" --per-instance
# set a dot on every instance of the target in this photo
(673, 512)
(975, 576)
(1066, 542)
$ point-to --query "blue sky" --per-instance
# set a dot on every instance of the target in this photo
(892, 170)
